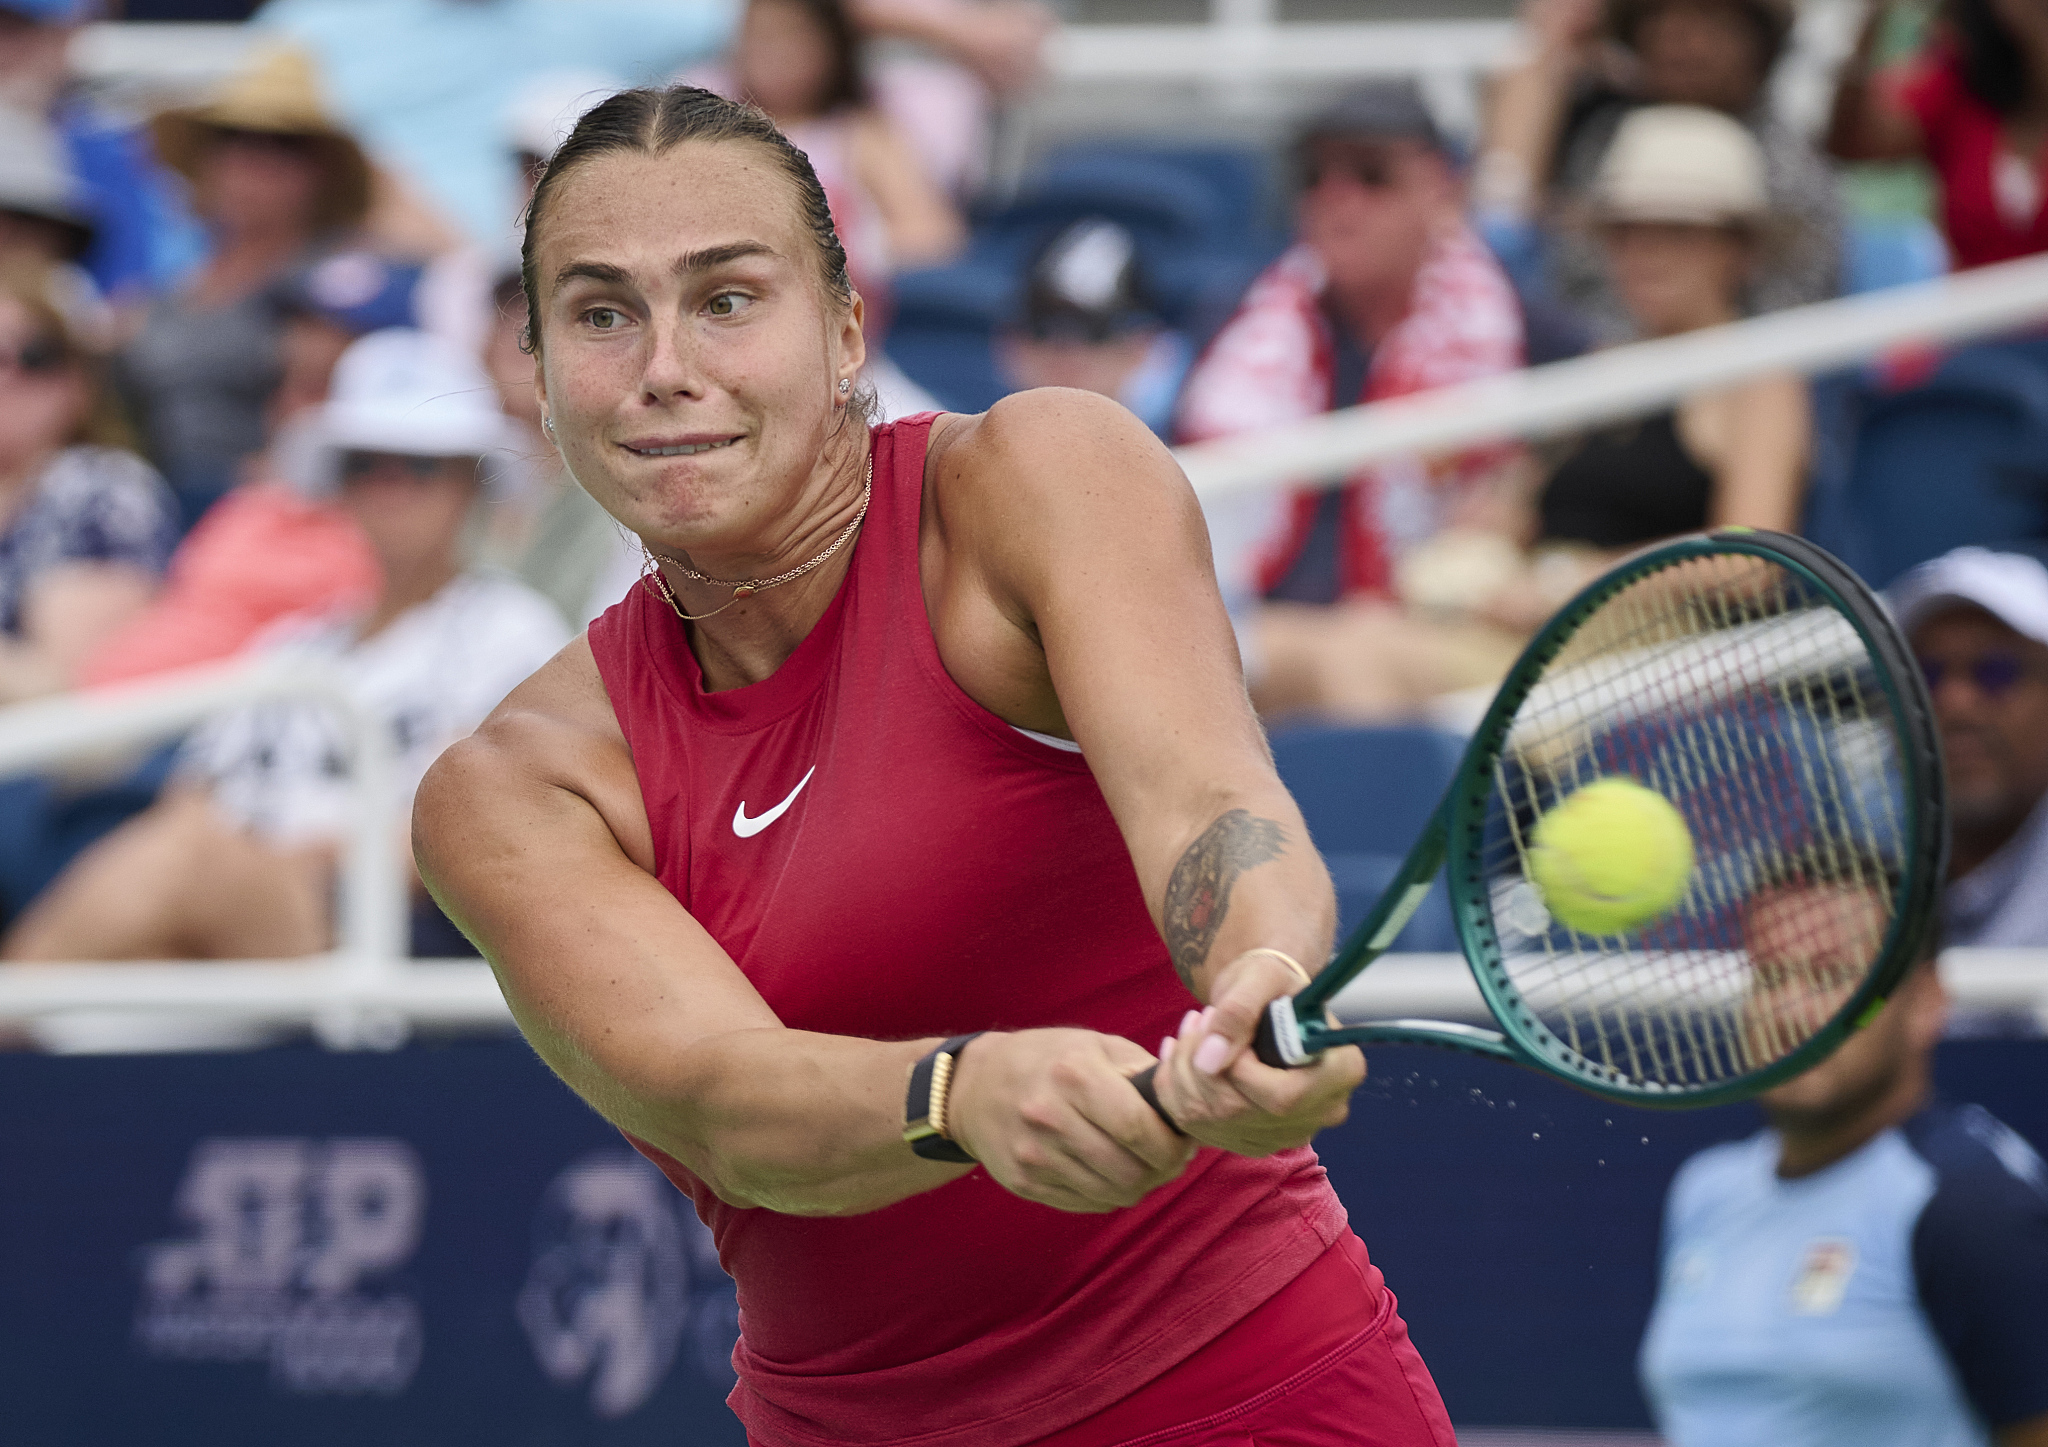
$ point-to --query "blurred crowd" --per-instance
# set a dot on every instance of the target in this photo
(263, 389)
(263, 385)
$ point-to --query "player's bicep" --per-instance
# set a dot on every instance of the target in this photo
(1105, 549)
(608, 976)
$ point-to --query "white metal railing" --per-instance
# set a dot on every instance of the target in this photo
(1626, 381)
(1237, 49)
(2009, 982)
(364, 991)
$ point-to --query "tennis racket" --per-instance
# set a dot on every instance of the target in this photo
(1756, 684)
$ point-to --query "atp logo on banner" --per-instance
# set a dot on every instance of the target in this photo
(292, 1243)
(624, 1276)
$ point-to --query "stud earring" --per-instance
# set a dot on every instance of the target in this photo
(845, 384)
(547, 425)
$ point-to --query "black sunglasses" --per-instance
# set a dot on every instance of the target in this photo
(37, 357)
(280, 142)
(1370, 166)
(358, 465)
(1993, 674)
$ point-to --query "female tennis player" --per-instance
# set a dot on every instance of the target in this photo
(918, 732)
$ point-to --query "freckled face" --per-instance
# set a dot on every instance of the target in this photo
(689, 358)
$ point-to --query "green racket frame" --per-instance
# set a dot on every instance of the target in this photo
(1294, 1031)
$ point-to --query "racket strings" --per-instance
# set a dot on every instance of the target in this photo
(1741, 694)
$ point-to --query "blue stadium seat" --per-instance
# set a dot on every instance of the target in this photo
(1238, 178)
(1959, 458)
(944, 323)
(1367, 794)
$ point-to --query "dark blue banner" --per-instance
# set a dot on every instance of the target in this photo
(443, 1247)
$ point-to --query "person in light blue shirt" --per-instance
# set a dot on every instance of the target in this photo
(1872, 1270)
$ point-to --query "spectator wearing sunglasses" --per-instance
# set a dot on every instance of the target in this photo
(1978, 622)
(85, 525)
(1386, 293)
(237, 859)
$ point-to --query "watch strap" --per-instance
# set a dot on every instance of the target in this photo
(924, 1106)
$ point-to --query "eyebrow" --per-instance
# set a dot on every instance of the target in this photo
(724, 255)
(701, 260)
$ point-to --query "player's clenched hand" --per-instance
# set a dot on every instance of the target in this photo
(1052, 1116)
(1212, 1082)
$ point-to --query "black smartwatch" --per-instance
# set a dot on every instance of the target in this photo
(924, 1109)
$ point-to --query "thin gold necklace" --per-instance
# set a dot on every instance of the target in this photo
(751, 586)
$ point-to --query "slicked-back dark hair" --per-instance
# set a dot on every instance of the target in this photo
(648, 122)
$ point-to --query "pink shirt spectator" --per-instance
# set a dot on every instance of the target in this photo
(259, 554)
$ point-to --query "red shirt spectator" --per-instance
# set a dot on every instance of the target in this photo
(1991, 199)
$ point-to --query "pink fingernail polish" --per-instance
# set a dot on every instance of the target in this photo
(1213, 1051)
(1188, 1019)
(1166, 1051)
(1208, 1017)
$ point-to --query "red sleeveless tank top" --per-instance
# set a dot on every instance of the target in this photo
(885, 858)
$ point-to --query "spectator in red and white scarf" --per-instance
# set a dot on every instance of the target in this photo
(1386, 292)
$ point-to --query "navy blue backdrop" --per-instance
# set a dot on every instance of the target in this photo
(442, 1246)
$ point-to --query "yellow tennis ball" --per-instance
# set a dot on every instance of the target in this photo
(1611, 858)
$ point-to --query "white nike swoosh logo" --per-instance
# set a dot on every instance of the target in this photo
(747, 828)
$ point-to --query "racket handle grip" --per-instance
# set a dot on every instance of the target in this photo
(1148, 1087)
(1265, 1044)
(1278, 1030)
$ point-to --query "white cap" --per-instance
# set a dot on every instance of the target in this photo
(1682, 165)
(2011, 587)
(408, 392)
(547, 107)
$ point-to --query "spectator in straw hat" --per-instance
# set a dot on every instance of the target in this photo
(140, 234)
(1590, 63)
(275, 179)
(238, 857)
(1684, 220)
(1682, 212)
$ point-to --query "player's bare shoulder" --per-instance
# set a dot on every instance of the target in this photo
(555, 736)
(1037, 445)
(1049, 476)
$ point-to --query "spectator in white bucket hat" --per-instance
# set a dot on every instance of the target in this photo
(238, 859)
(400, 393)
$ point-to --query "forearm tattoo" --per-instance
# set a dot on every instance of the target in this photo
(1198, 893)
